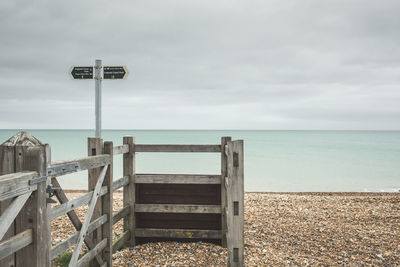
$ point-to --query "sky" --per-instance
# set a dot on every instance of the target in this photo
(312, 64)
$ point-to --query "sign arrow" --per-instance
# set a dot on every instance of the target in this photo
(82, 73)
(115, 72)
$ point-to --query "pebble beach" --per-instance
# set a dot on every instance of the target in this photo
(283, 229)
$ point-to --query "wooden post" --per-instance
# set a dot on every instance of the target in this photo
(107, 206)
(7, 156)
(235, 203)
(224, 173)
(129, 190)
(30, 154)
(95, 147)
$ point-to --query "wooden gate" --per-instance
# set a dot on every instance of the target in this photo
(156, 207)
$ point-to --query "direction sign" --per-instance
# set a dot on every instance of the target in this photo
(115, 72)
(82, 72)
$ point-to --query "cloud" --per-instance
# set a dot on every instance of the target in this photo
(203, 64)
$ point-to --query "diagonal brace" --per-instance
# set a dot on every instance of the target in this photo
(11, 212)
(88, 217)
(62, 198)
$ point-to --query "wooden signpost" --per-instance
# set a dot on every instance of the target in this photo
(100, 73)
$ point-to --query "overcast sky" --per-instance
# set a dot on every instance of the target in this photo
(203, 64)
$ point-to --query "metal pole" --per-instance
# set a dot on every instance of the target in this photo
(97, 80)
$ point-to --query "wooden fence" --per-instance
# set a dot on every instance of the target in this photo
(156, 207)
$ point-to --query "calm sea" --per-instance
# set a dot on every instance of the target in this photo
(274, 160)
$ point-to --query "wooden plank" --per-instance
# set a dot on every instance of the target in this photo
(124, 181)
(235, 204)
(224, 173)
(15, 243)
(95, 147)
(121, 241)
(8, 216)
(88, 216)
(62, 198)
(142, 178)
(178, 148)
(15, 184)
(121, 149)
(67, 243)
(60, 210)
(178, 233)
(129, 192)
(91, 254)
(56, 168)
(107, 206)
(7, 165)
(177, 208)
(206, 221)
(122, 213)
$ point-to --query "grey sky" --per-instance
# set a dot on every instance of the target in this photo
(203, 64)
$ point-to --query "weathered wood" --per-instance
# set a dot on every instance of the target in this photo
(121, 241)
(95, 147)
(15, 184)
(122, 213)
(107, 206)
(62, 198)
(178, 148)
(177, 208)
(120, 183)
(129, 192)
(224, 173)
(89, 213)
(15, 243)
(142, 178)
(72, 204)
(178, 233)
(56, 168)
(67, 243)
(34, 213)
(91, 254)
(121, 149)
(235, 203)
(7, 165)
(8, 216)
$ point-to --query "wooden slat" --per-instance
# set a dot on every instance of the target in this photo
(142, 178)
(177, 208)
(91, 254)
(88, 216)
(224, 171)
(67, 243)
(121, 214)
(60, 210)
(121, 149)
(178, 148)
(120, 183)
(82, 163)
(8, 216)
(15, 184)
(121, 241)
(178, 233)
(15, 243)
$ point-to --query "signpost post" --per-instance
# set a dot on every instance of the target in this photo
(100, 73)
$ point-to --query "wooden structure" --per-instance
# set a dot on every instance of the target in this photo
(156, 207)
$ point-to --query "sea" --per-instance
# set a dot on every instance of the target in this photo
(274, 161)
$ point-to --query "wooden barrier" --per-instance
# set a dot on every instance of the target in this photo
(156, 207)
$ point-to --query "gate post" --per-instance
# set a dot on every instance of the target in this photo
(95, 147)
(31, 155)
(224, 174)
(129, 190)
(235, 203)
